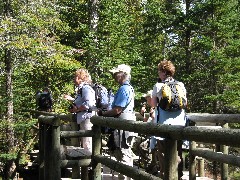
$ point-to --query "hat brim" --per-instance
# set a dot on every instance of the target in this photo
(146, 95)
(118, 70)
(114, 71)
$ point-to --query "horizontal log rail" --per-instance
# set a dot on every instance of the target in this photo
(229, 137)
(124, 169)
(217, 156)
(220, 136)
(214, 118)
(79, 163)
(80, 133)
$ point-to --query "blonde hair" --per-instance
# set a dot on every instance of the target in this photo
(167, 67)
(84, 75)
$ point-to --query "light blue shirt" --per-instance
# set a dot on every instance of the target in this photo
(124, 98)
(86, 97)
(172, 118)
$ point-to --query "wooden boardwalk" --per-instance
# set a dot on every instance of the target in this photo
(108, 174)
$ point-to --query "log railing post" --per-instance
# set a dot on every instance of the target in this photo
(170, 158)
(41, 150)
(192, 162)
(224, 167)
(200, 163)
(47, 149)
(215, 163)
(96, 151)
(74, 127)
(55, 165)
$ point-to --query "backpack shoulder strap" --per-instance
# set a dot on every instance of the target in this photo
(79, 91)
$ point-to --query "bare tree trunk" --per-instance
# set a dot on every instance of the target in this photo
(93, 24)
(188, 64)
(10, 167)
(214, 78)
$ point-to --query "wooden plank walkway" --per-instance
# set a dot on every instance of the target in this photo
(109, 175)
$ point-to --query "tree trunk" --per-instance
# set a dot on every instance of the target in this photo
(10, 167)
(93, 24)
(188, 64)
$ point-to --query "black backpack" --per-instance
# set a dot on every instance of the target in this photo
(45, 101)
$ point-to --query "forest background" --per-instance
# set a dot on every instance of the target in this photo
(43, 42)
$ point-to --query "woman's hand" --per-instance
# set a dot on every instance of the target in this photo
(152, 112)
(73, 109)
(68, 97)
(143, 110)
(99, 112)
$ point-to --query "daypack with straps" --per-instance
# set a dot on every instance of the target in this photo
(103, 96)
(172, 97)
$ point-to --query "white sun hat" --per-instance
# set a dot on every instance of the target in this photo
(149, 93)
(121, 68)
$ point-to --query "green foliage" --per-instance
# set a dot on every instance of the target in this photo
(41, 60)
(23, 130)
(38, 59)
(136, 33)
(139, 34)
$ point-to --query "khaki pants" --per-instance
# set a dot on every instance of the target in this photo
(86, 141)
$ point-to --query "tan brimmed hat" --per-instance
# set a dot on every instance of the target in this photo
(121, 68)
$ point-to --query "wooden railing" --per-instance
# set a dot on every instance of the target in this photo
(50, 144)
(221, 149)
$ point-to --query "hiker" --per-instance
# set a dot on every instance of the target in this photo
(170, 116)
(83, 104)
(122, 107)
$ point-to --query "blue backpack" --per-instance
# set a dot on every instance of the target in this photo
(104, 97)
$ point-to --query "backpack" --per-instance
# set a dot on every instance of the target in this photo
(172, 97)
(104, 97)
(45, 101)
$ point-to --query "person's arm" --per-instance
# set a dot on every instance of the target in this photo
(152, 112)
(111, 113)
(76, 109)
(154, 101)
(155, 94)
(143, 109)
(68, 97)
